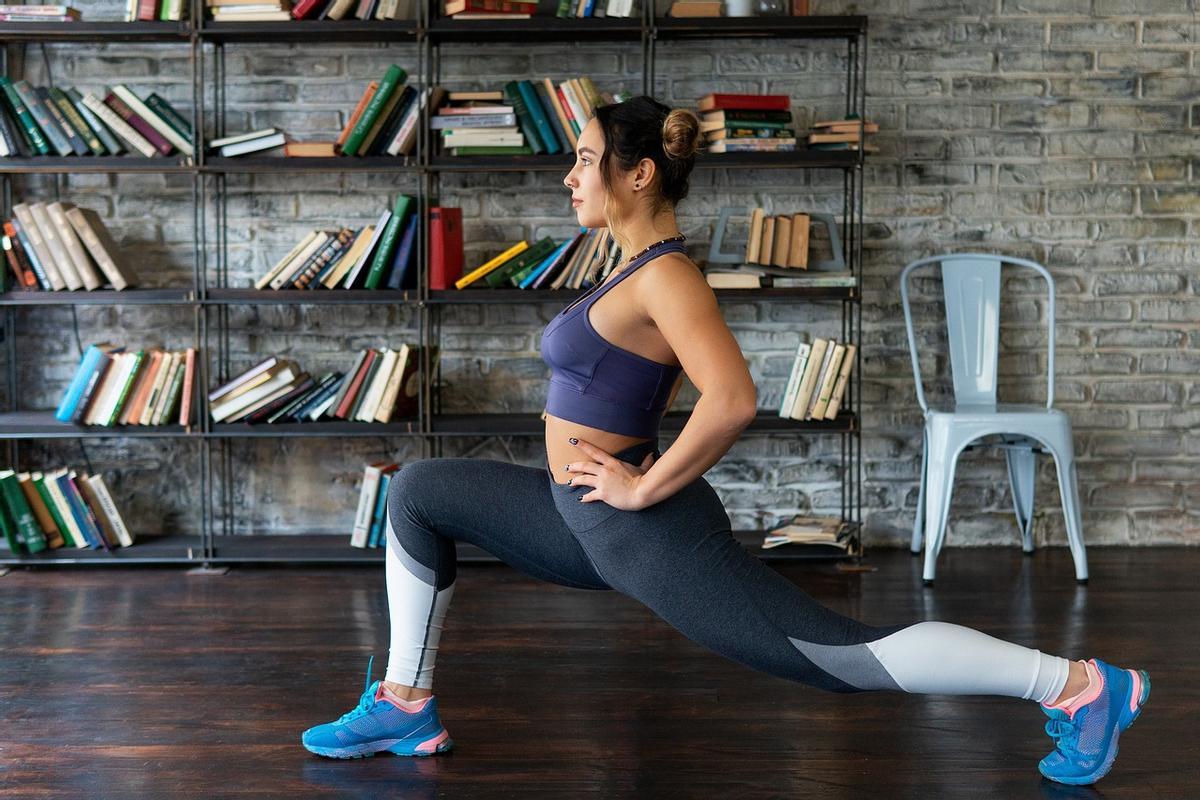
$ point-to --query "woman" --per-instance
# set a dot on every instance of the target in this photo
(608, 511)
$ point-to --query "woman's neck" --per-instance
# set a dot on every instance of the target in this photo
(639, 235)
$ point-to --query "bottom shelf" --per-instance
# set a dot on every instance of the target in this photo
(163, 549)
(331, 549)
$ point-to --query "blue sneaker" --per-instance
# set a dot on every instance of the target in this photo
(1086, 743)
(377, 724)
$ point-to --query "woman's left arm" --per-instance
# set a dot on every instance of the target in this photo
(683, 307)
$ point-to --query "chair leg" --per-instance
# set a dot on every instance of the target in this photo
(1022, 473)
(939, 485)
(1068, 486)
(919, 521)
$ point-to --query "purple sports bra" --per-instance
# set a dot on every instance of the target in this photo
(598, 384)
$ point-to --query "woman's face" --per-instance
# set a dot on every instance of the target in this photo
(587, 189)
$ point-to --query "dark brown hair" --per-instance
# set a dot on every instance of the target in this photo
(641, 127)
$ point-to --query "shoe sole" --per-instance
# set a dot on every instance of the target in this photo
(1111, 756)
(440, 743)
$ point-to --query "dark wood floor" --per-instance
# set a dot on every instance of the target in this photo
(148, 682)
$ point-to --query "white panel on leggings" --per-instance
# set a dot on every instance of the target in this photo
(417, 612)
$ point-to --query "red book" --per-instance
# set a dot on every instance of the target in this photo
(147, 10)
(348, 399)
(21, 268)
(745, 102)
(303, 7)
(445, 246)
(140, 125)
(510, 6)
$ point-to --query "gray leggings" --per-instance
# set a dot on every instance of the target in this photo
(680, 559)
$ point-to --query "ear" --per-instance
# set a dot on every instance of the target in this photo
(645, 171)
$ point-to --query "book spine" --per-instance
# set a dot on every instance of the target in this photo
(394, 76)
(147, 131)
(119, 126)
(41, 115)
(512, 96)
(85, 132)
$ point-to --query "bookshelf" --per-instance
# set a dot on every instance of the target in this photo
(210, 298)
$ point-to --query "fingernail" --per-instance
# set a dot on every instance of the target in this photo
(573, 440)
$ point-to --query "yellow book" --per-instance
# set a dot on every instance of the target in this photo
(480, 271)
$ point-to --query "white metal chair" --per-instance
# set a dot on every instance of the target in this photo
(971, 290)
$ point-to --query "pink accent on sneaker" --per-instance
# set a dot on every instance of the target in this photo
(430, 745)
(410, 706)
(1137, 689)
(1095, 685)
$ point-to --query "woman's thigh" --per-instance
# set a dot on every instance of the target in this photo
(504, 508)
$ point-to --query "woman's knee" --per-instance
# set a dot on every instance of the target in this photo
(408, 493)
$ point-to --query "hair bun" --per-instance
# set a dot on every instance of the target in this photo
(681, 134)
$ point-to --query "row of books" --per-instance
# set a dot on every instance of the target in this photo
(59, 508)
(524, 118)
(524, 9)
(844, 134)
(382, 384)
(713, 8)
(378, 256)
(52, 246)
(780, 240)
(112, 386)
(733, 122)
(818, 380)
(49, 120)
(369, 520)
(283, 10)
(545, 264)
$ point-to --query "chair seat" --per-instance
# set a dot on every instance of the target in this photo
(994, 412)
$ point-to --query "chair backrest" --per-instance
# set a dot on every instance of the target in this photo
(971, 288)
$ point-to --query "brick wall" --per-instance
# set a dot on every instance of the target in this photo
(1061, 131)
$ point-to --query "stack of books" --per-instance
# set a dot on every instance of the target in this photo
(145, 387)
(546, 265)
(370, 521)
(39, 13)
(489, 9)
(525, 118)
(843, 134)
(381, 384)
(150, 10)
(40, 120)
(747, 122)
(52, 246)
(267, 141)
(817, 384)
(695, 8)
(59, 508)
(378, 256)
(355, 9)
(250, 10)
(810, 530)
(777, 250)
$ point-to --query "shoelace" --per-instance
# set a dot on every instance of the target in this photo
(365, 702)
(1065, 732)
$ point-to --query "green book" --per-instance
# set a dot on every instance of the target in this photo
(67, 108)
(387, 242)
(390, 83)
(502, 275)
(9, 528)
(28, 530)
(492, 150)
(39, 483)
(25, 117)
(169, 115)
(512, 96)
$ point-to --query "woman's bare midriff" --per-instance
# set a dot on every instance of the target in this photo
(559, 451)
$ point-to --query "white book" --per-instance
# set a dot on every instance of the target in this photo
(242, 137)
(253, 145)
(114, 363)
(235, 404)
(366, 254)
(839, 389)
(370, 403)
(152, 118)
(827, 382)
(811, 369)
(265, 280)
(366, 505)
(133, 139)
(74, 247)
(391, 391)
(54, 244)
(95, 236)
(174, 365)
(320, 410)
(115, 520)
(158, 389)
(793, 384)
(822, 372)
(289, 271)
(25, 217)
